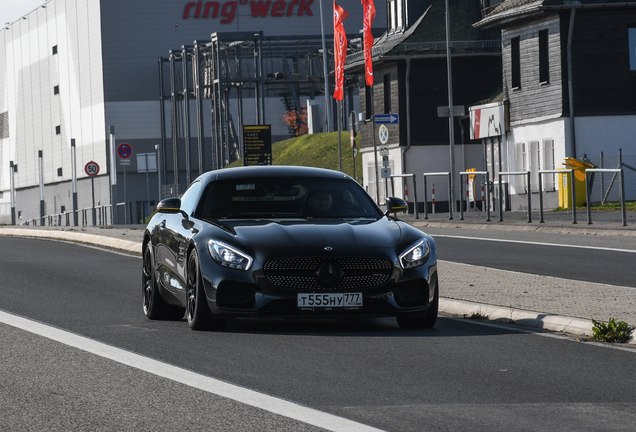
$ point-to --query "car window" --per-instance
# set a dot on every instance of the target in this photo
(188, 200)
(281, 198)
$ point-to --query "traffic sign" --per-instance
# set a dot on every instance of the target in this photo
(387, 118)
(91, 168)
(385, 172)
(124, 161)
(383, 133)
(384, 151)
(124, 150)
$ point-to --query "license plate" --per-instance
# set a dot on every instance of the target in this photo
(332, 300)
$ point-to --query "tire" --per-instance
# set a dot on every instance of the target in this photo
(154, 306)
(426, 320)
(198, 313)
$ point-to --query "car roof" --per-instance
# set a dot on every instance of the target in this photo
(264, 171)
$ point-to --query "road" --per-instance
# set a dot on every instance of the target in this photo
(462, 375)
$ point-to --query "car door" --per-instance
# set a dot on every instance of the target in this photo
(174, 235)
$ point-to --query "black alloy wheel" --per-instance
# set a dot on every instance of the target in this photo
(197, 312)
(155, 308)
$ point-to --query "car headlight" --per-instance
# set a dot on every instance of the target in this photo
(416, 255)
(227, 256)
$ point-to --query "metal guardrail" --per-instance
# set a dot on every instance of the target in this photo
(437, 174)
(572, 185)
(509, 173)
(98, 217)
(622, 190)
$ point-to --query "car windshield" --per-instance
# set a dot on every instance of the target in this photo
(284, 198)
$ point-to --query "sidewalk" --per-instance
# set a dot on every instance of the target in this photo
(535, 301)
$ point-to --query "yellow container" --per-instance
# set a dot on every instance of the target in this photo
(565, 189)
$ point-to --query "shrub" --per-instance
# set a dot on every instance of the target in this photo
(612, 331)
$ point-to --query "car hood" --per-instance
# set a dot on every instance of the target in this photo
(305, 238)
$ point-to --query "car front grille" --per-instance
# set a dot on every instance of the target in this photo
(328, 273)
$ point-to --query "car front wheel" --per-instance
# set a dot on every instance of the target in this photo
(198, 313)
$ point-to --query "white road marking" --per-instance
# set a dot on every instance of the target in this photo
(249, 397)
(536, 243)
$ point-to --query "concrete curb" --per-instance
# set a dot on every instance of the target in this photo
(507, 315)
(97, 240)
(494, 225)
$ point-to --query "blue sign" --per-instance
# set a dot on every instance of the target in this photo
(387, 119)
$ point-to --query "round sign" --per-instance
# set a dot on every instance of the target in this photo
(91, 168)
(124, 150)
(384, 134)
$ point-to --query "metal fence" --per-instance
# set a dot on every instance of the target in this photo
(605, 187)
(98, 216)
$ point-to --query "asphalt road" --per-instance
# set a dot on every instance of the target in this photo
(461, 375)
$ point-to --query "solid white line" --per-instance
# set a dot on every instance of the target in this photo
(536, 243)
(249, 397)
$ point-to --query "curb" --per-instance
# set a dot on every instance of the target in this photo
(498, 314)
(108, 242)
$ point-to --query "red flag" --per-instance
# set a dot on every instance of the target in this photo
(339, 48)
(367, 22)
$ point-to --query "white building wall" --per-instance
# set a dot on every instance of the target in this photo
(30, 71)
(606, 134)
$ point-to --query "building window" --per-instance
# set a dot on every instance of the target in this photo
(58, 130)
(515, 62)
(535, 158)
(549, 182)
(59, 172)
(387, 93)
(54, 49)
(367, 102)
(56, 89)
(544, 58)
(521, 165)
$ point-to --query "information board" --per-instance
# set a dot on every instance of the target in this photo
(257, 145)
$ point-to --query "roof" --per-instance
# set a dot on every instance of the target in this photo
(511, 10)
(427, 36)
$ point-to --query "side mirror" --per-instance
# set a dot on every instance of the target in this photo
(395, 205)
(169, 205)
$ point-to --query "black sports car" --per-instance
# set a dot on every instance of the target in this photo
(285, 242)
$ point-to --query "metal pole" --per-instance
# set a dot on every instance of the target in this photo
(74, 183)
(500, 197)
(587, 198)
(529, 199)
(425, 200)
(620, 166)
(158, 149)
(573, 188)
(113, 178)
(540, 198)
(147, 189)
(324, 67)
(375, 149)
(461, 201)
(417, 214)
(186, 113)
(451, 121)
(339, 135)
(94, 213)
(12, 193)
(450, 194)
(487, 198)
(41, 187)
